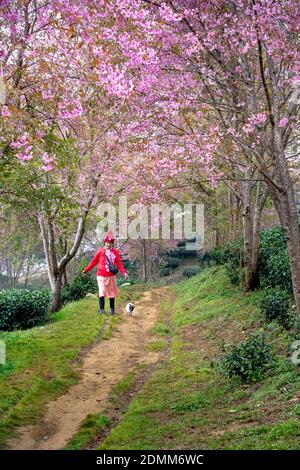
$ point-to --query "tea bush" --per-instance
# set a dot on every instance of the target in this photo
(274, 263)
(172, 263)
(164, 272)
(248, 361)
(79, 287)
(23, 308)
(275, 305)
(191, 272)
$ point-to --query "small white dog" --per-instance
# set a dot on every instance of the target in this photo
(129, 308)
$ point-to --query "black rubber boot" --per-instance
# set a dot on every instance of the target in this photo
(101, 305)
(112, 305)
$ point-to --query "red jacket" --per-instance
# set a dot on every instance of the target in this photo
(100, 259)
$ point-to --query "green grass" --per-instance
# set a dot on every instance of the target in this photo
(125, 384)
(119, 396)
(160, 328)
(187, 404)
(158, 345)
(90, 428)
(42, 361)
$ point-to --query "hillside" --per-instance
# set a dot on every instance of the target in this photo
(168, 393)
(187, 404)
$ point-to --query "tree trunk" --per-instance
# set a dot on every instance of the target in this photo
(56, 268)
(27, 272)
(250, 275)
(288, 213)
(283, 193)
(56, 293)
(65, 278)
(251, 223)
(233, 206)
(217, 241)
(231, 213)
(144, 257)
(260, 201)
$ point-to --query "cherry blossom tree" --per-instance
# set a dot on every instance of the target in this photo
(234, 65)
(65, 94)
(200, 88)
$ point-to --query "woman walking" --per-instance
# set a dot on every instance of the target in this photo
(109, 263)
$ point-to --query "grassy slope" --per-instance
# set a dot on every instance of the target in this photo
(186, 404)
(41, 362)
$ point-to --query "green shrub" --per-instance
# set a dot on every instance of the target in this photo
(132, 269)
(184, 253)
(126, 263)
(173, 254)
(231, 252)
(248, 361)
(191, 272)
(217, 255)
(171, 263)
(204, 258)
(295, 327)
(279, 271)
(233, 272)
(274, 263)
(164, 272)
(79, 287)
(275, 305)
(23, 308)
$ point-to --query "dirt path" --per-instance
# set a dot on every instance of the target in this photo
(104, 366)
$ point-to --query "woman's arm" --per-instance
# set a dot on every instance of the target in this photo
(120, 265)
(93, 263)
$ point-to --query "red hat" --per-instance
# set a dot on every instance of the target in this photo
(109, 237)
